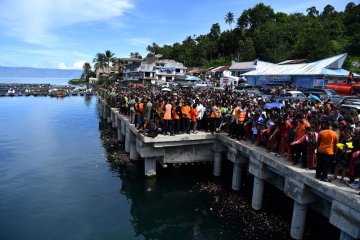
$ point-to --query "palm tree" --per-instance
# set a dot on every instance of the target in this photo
(229, 18)
(87, 70)
(100, 61)
(108, 57)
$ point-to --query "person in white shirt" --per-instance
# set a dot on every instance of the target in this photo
(200, 109)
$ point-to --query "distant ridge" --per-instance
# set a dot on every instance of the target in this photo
(39, 72)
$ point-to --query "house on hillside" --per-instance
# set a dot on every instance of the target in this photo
(301, 75)
(154, 70)
(238, 68)
(215, 73)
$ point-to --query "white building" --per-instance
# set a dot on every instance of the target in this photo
(154, 70)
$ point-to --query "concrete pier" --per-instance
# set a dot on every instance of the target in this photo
(341, 205)
(258, 192)
(150, 166)
(236, 179)
(217, 164)
(298, 220)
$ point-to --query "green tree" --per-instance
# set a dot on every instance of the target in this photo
(253, 17)
(100, 61)
(108, 58)
(215, 31)
(135, 55)
(87, 70)
(229, 18)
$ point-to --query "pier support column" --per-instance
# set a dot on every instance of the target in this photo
(150, 166)
(113, 120)
(217, 164)
(108, 114)
(258, 192)
(120, 135)
(128, 140)
(104, 111)
(236, 179)
(298, 220)
(134, 155)
(100, 109)
(345, 236)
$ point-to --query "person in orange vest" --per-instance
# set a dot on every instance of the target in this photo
(241, 123)
(215, 115)
(167, 118)
(193, 116)
(139, 109)
(234, 130)
(176, 113)
(327, 149)
(300, 149)
(185, 117)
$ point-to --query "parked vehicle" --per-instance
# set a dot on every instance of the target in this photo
(322, 93)
(348, 109)
(293, 95)
(344, 88)
(348, 100)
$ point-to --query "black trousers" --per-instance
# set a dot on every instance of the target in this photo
(300, 151)
(323, 165)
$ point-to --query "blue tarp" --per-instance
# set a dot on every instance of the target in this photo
(274, 105)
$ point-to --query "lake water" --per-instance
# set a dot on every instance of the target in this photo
(52, 81)
(56, 183)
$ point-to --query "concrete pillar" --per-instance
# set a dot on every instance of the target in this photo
(128, 140)
(150, 166)
(113, 120)
(345, 236)
(100, 109)
(108, 114)
(104, 111)
(120, 135)
(217, 164)
(134, 155)
(236, 179)
(258, 192)
(298, 220)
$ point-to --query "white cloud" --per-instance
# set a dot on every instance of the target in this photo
(62, 66)
(35, 21)
(76, 65)
(141, 42)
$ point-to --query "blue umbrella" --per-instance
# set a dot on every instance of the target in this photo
(274, 105)
(315, 97)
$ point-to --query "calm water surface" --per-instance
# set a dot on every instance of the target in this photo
(56, 183)
(52, 81)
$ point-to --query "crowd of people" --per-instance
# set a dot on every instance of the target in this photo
(314, 133)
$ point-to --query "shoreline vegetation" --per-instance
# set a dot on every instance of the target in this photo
(77, 81)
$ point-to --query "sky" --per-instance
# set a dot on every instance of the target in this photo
(66, 33)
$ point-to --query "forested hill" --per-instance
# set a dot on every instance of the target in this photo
(38, 72)
(259, 32)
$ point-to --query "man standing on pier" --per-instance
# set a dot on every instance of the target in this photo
(326, 150)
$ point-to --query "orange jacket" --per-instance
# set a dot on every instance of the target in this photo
(167, 112)
(185, 111)
(139, 107)
(175, 115)
(193, 114)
